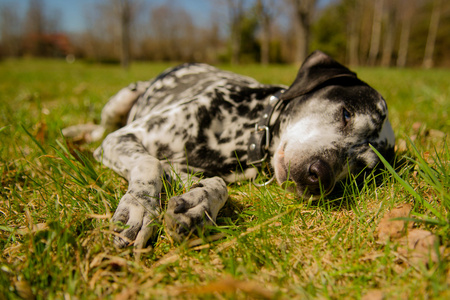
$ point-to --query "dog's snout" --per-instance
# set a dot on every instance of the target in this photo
(320, 177)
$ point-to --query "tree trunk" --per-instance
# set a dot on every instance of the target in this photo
(125, 20)
(265, 21)
(236, 11)
(432, 33)
(376, 32)
(265, 44)
(10, 32)
(303, 10)
(388, 46)
(235, 44)
(353, 34)
(35, 25)
(404, 42)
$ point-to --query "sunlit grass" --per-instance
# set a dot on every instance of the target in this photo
(56, 201)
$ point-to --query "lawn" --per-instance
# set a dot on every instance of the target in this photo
(56, 201)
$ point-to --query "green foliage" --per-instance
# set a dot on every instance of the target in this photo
(329, 31)
(250, 48)
(56, 202)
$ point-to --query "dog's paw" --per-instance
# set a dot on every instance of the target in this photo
(195, 209)
(135, 219)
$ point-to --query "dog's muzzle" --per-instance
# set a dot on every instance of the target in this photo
(319, 178)
(311, 179)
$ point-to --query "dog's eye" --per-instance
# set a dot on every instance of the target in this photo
(346, 116)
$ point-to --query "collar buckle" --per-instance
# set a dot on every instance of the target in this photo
(257, 151)
(259, 142)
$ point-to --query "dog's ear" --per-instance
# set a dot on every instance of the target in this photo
(317, 69)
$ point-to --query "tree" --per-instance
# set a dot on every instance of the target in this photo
(389, 33)
(34, 28)
(265, 12)
(407, 9)
(303, 12)
(11, 33)
(376, 32)
(109, 35)
(100, 40)
(250, 49)
(236, 15)
(432, 33)
(125, 12)
(329, 30)
(354, 23)
(166, 36)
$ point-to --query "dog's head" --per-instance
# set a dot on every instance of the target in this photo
(327, 126)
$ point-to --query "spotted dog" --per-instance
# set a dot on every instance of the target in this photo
(197, 118)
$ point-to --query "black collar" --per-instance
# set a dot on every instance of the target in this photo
(259, 142)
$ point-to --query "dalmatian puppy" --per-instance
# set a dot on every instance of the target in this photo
(195, 118)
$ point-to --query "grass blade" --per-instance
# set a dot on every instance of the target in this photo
(408, 187)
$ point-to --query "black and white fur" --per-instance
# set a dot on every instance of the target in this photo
(196, 118)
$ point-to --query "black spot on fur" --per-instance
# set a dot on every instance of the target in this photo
(155, 122)
(255, 112)
(219, 102)
(238, 153)
(203, 117)
(128, 138)
(185, 134)
(224, 140)
(163, 151)
(243, 110)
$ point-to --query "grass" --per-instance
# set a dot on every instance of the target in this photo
(55, 203)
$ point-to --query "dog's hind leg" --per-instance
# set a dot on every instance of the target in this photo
(139, 208)
(114, 114)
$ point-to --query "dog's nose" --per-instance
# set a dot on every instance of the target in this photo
(320, 177)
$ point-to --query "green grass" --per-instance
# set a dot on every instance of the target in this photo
(55, 203)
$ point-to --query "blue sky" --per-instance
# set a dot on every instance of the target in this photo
(73, 12)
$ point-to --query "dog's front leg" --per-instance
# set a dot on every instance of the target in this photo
(196, 208)
(139, 208)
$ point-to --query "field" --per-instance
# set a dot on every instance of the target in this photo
(56, 201)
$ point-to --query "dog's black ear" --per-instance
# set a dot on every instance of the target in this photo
(317, 69)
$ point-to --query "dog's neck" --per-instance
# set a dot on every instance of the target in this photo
(261, 137)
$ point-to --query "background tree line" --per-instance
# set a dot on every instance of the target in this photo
(358, 32)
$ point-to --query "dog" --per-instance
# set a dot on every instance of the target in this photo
(196, 118)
